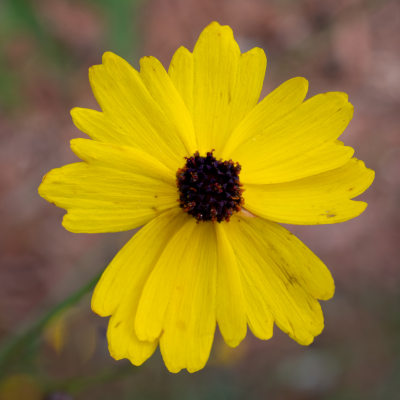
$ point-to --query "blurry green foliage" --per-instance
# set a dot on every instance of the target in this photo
(21, 17)
(122, 35)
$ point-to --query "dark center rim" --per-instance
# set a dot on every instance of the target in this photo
(209, 189)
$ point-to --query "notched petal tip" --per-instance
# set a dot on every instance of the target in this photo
(74, 111)
(75, 142)
(190, 368)
(213, 24)
(107, 58)
(372, 175)
(301, 81)
(72, 225)
(46, 180)
(258, 55)
(96, 311)
(97, 302)
(195, 369)
(154, 66)
(113, 354)
(148, 60)
(183, 49)
(44, 177)
(329, 293)
(109, 55)
(215, 28)
(234, 342)
(302, 341)
(93, 71)
(343, 95)
(66, 223)
(172, 369)
(363, 205)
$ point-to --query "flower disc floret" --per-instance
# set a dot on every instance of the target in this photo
(210, 189)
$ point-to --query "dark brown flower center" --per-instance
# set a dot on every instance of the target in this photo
(209, 189)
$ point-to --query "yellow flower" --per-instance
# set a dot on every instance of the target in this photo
(175, 279)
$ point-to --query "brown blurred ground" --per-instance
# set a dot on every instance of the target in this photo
(346, 45)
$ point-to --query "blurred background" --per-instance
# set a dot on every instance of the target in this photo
(52, 347)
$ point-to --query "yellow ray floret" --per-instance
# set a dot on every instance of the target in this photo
(127, 102)
(116, 188)
(219, 84)
(319, 199)
(178, 299)
(300, 144)
(270, 110)
(230, 311)
(288, 281)
(119, 289)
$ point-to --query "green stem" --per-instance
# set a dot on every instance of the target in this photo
(18, 343)
(75, 386)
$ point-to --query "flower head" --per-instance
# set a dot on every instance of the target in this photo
(190, 155)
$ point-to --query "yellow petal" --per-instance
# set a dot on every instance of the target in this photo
(282, 275)
(227, 85)
(122, 339)
(319, 199)
(231, 315)
(104, 195)
(134, 262)
(181, 73)
(301, 143)
(179, 298)
(146, 125)
(121, 284)
(270, 110)
(121, 158)
(163, 91)
(81, 220)
(259, 317)
(99, 127)
(82, 185)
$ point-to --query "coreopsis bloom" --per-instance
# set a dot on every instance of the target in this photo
(209, 173)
